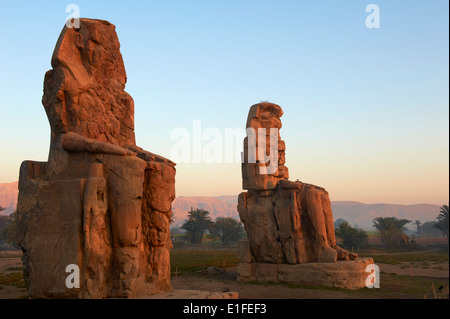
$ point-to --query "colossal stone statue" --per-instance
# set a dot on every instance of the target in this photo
(100, 202)
(286, 222)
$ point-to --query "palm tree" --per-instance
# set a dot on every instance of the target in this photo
(419, 227)
(197, 223)
(442, 220)
(228, 229)
(351, 237)
(390, 229)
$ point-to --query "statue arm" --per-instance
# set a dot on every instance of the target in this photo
(149, 156)
(73, 142)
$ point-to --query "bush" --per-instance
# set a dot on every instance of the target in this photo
(8, 230)
(351, 237)
(228, 229)
(390, 230)
(197, 224)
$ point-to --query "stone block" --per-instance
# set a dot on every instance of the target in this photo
(349, 274)
(245, 254)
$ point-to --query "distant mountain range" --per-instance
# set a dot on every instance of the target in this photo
(8, 197)
(362, 215)
(355, 213)
(220, 206)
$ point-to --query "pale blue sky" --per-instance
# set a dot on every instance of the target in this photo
(366, 110)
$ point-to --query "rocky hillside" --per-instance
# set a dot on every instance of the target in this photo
(8, 197)
(362, 214)
(220, 206)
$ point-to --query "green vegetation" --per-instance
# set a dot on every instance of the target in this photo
(393, 284)
(390, 230)
(427, 229)
(13, 279)
(442, 220)
(192, 259)
(295, 286)
(197, 223)
(351, 237)
(413, 257)
(8, 230)
(14, 268)
(338, 222)
(228, 230)
(371, 233)
(390, 284)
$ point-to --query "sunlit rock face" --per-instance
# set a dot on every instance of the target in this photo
(286, 222)
(100, 202)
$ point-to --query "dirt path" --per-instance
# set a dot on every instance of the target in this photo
(251, 291)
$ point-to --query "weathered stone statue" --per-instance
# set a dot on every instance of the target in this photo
(100, 202)
(286, 222)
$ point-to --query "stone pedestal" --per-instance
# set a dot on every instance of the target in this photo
(289, 225)
(349, 274)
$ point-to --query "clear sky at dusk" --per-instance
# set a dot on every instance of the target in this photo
(366, 111)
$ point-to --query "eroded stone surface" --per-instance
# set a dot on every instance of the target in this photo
(350, 274)
(287, 222)
(100, 202)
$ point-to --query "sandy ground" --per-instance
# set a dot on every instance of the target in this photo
(10, 262)
(228, 282)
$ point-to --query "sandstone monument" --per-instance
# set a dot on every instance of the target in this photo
(100, 202)
(289, 224)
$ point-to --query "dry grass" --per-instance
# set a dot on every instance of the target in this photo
(423, 257)
(192, 259)
(12, 279)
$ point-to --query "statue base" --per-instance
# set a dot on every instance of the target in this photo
(349, 274)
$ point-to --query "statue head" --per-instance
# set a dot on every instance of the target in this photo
(92, 50)
(85, 91)
(264, 158)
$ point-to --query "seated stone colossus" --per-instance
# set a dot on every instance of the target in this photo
(286, 222)
(100, 202)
